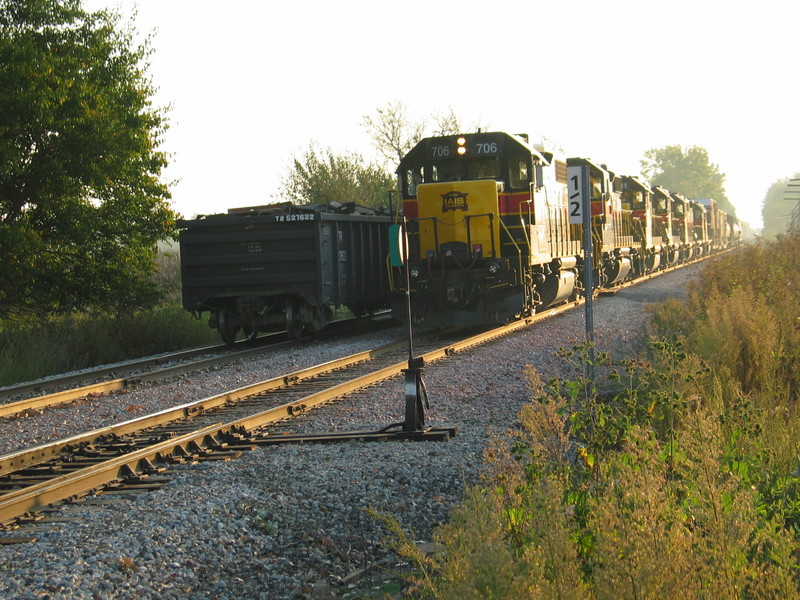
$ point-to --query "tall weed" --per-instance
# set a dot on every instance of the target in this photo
(673, 478)
(658, 514)
(31, 350)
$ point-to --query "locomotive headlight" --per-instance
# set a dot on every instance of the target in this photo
(414, 272)
(461, 146)
(494, 268)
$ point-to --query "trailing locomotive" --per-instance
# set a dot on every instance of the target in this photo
(490, 239)
(283, 267)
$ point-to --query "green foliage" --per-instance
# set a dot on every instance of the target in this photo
(167, 277)
(687, 171)
(30, 350)
(81, 202)
(647, 494)
(322, 177)
(744, 321)
(780, 202)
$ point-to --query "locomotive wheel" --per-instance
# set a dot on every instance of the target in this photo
(293, 325)
(227, 327)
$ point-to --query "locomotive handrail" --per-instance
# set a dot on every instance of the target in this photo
(435, 230)
(390, 272)
(524, 231)
(468, 219)
(519, 257)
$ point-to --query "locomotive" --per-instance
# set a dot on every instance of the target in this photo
(489, 235)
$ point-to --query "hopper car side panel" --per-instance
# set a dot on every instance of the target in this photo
(255, 271)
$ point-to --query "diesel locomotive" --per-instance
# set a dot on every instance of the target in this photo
(489, 236)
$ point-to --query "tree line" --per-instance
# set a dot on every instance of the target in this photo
(83, 201)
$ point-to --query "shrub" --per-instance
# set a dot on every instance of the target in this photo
(658, 513)
(31, 350)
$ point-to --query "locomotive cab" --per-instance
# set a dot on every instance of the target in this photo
(699, 229)
(682, 224)
(611, 225)
(662, 219)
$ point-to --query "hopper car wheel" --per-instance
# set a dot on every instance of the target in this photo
(293, 325)
(249, 332)
(227, 327)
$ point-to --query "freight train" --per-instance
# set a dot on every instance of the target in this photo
(490, 239)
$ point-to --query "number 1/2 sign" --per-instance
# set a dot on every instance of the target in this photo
(576, 194)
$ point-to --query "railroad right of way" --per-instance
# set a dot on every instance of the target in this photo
(287, 522)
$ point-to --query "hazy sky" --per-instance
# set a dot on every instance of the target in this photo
(252, 83)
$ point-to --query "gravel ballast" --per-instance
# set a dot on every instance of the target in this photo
(287, 522)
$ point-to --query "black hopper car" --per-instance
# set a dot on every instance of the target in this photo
(284, 266)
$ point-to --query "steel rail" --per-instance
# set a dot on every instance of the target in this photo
(37, 454)
(30, 456)
(20, 406)
(39, 402)
(59, 380)
(36, 497)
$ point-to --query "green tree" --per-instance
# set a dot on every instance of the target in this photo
(322, 176)
(82, 203)
(779, 206)
(687, 171)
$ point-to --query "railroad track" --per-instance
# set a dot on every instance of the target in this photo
(151, 369)
(131, 455)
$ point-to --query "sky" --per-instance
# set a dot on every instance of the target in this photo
(250, 84)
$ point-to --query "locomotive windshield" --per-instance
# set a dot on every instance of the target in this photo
(637, 201)
(458, 170)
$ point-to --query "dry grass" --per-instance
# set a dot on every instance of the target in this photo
(680, 480)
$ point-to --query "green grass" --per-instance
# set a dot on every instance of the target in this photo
(30, 350)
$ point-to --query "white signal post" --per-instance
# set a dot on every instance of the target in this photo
(580, 213)
(575, 190)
